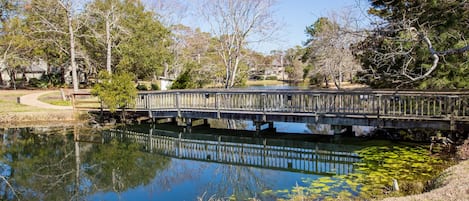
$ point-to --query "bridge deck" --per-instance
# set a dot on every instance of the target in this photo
(393, 109)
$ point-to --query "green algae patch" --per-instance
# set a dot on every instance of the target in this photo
(380, 171)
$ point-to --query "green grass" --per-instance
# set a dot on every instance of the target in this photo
(8, 102)
(55, 98)
(263, 82)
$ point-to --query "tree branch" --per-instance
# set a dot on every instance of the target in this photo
(10, 186)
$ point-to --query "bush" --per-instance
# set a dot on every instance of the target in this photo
(316, 80)
(271, 78)
(155, 86)
(184, 81)
(116, 90)
(34, 82)
(142, 87)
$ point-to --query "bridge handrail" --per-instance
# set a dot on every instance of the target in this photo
(381, 103)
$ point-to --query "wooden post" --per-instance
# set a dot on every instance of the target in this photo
(178, 103)
(453, 111)
(264, 104)
(217, 104)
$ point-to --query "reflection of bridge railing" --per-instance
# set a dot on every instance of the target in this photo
(308, 157)
(395, 109)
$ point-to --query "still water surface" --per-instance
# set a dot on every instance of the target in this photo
(143, 163)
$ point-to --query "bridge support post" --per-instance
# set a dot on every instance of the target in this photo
(259, 125)
(258, 128)
(188, 124)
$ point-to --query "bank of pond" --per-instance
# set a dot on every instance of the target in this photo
(145, 162)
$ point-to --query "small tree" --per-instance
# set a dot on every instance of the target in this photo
(116, 91)
(184, 81)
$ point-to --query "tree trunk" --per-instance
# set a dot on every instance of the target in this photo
(233, 73)
(165, 70)
(227, 80)
(1, 78)
(12, 74)
(72, 51)
(327, 81)
(109, 46)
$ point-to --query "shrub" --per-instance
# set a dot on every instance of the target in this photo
(142, 87)
(155, 86)
(116, 90)
(184, 81)
(34, 82)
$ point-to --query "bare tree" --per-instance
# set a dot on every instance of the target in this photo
(330, 47)
(45, 10)
(67, 5)
(108, 13)
(236, 24)
(15, 46)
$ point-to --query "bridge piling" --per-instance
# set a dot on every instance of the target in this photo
(259, 125)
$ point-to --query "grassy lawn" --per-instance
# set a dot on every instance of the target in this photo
(8, 102)
(55, 98)
(263, 82)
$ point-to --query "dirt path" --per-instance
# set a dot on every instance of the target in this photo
(32, 100)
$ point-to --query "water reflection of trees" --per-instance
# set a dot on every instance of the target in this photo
(239, 182)
(43, 164)
(118, 166)
(40, 167)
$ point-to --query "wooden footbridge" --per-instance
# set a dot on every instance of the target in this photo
(385, 109)
(276, 154)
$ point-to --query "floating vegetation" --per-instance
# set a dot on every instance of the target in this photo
(410, 167)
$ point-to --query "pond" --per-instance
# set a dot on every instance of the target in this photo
(149, 163)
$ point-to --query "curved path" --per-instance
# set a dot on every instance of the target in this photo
(33, 100)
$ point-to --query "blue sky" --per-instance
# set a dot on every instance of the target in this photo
(294, 16)
(298, 14)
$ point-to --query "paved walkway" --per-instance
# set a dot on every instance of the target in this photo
(32, 100)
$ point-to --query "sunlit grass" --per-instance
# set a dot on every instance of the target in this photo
(9, 104)
(55, 98)
(264, 82)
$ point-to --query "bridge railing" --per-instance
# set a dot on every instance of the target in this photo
(381, 104)
(404, 104)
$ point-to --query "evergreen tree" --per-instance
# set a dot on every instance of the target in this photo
(116, 90)
(145, 50)
(185, 80)
(417, 44)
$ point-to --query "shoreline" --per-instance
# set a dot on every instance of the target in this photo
(65, 117)
(454, 186)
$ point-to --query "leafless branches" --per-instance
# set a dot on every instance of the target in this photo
(9, 186)
(234, 23)
(331, 47)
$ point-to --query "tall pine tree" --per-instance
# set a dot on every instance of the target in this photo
(417, 43)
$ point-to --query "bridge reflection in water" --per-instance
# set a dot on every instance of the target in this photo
(277, 154)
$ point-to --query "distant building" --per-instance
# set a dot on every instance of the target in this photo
(35, 70)
(275, 69)
(165, 83)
